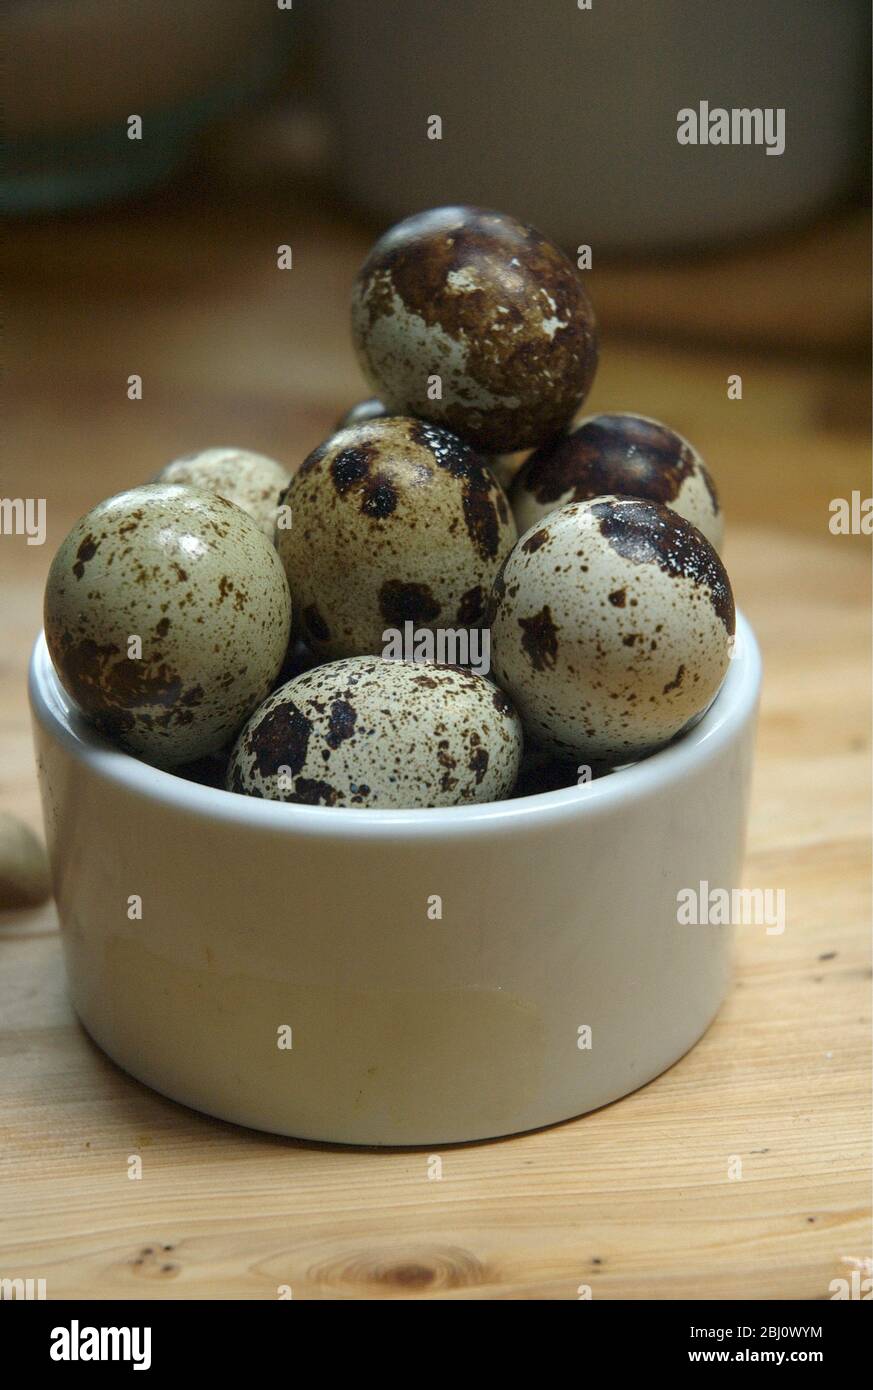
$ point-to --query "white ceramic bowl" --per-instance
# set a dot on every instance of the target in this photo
(558, 914)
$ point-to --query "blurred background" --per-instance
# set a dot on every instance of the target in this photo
(306, 125)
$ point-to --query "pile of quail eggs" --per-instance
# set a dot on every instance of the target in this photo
(240, 626)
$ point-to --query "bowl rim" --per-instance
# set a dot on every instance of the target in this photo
(726, 717)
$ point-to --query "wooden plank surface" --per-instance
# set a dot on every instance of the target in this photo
(637, 1200)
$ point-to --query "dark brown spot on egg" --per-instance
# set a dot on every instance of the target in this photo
(114, 688)
(622, 454)
(378, 497)
(280, 739)
(648, 533)
(480, 516)
(341, 724)
(540, 639)
(675, 683)
(87, 550)
(479, 763)
(618, 598)
(533, 542)
(449, 452)
(401, 602)
(310, 791)
(350, 466)
(444, 757)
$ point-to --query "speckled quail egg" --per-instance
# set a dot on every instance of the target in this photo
(618, 455)
(167, 617)
(477, 322)
(392, 521)
(611, 627)
(251, 480)
(372, 732)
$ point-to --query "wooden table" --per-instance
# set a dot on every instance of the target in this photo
(636, 1200)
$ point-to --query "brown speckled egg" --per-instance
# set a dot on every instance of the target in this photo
(611, 628)
(489, 306)
(618, 455)
(194, 579)
(372, 732)
(392, 521)
(252, 481)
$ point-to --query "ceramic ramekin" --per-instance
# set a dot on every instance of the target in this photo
(394, 977)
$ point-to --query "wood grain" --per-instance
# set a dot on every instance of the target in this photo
(635, 1200)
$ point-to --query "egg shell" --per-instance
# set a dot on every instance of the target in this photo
(251, 480)
(491, 307)
(621, 455)
(194, 578)
(611, 627)
(392, 521)
(372, 732)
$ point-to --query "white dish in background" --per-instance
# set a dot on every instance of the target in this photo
(558, 913)
(567, 118)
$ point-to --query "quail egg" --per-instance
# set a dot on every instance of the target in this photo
(477, 322)
(372, 732)
(167, 616)
(392, 521)
(611, 628)
(252, 481)
(619, 455)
